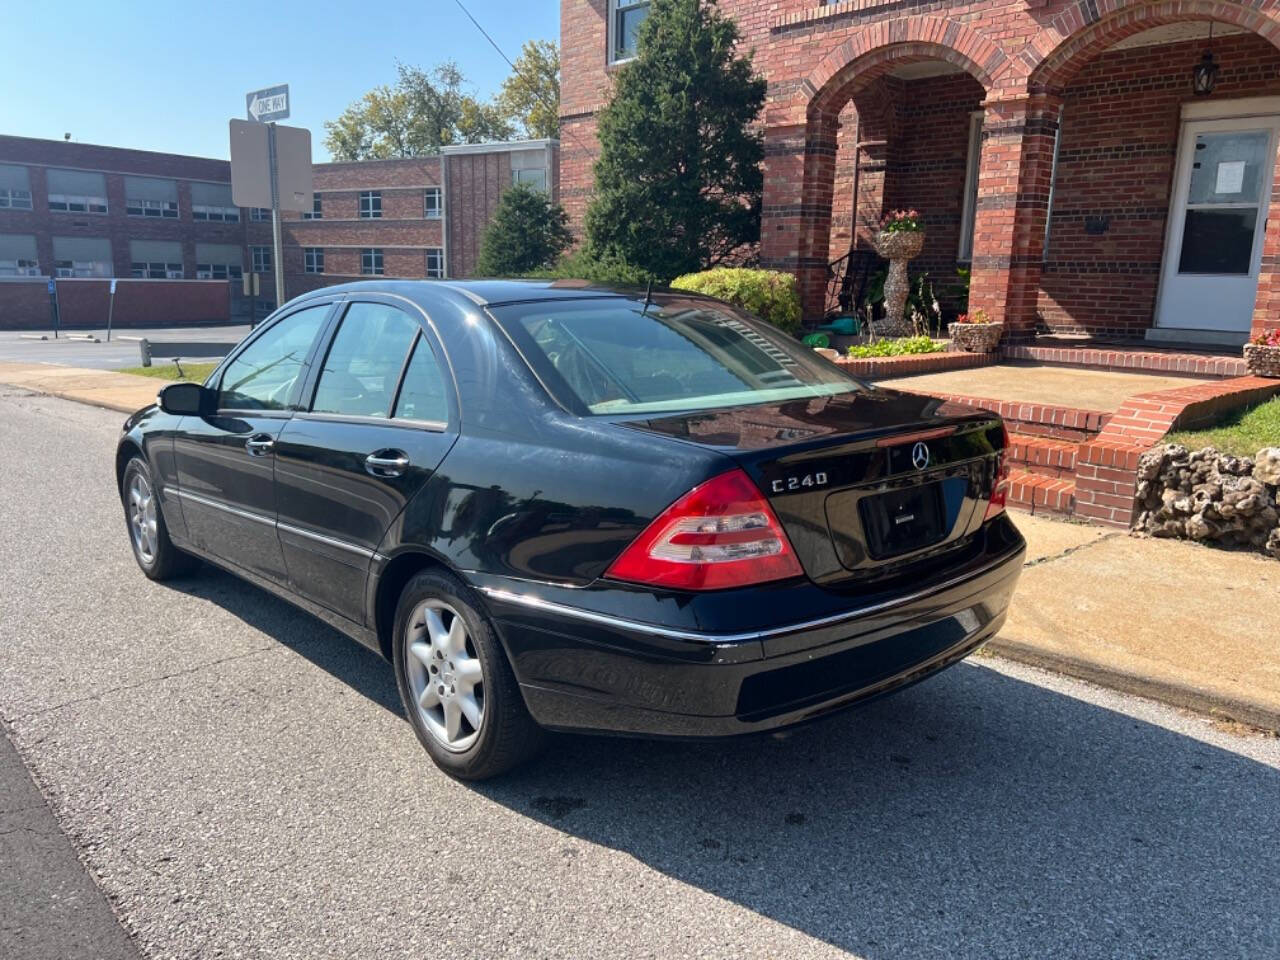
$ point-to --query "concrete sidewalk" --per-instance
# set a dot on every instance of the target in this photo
(101, 388)
(1190, 625)
(1172, 620)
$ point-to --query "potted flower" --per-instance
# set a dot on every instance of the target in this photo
(900, 238)
(1262, 354)
(976, 332)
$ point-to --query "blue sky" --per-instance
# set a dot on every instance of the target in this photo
(167, 78)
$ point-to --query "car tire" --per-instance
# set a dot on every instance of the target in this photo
(148, 534)
(455, 682)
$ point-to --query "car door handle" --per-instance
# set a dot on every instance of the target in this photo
(386, 463)
(260, 444)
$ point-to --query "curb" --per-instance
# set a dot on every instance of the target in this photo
(1175, 694)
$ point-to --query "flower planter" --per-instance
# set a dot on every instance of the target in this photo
(897, 246)
(976, 337)
(1262, 360)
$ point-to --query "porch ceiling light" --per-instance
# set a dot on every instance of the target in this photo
(1205, 73)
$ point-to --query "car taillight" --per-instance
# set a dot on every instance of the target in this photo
(1000, 489)
(720, 534)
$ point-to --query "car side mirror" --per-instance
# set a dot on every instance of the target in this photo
(186, 399)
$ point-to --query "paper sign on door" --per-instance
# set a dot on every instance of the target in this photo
(1230, 177)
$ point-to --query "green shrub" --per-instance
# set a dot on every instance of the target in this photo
(770, 294)
(895, 348)
(527, 233)
(585, 264)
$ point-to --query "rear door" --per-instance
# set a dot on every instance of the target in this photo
(376, 421)
(226, 462)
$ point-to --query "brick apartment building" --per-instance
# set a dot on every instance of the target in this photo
(83, 213)
(1057, 150)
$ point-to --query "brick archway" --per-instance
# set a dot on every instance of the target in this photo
(801, 136)
(1058, 51)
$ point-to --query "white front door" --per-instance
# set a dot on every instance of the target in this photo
(1217, 219)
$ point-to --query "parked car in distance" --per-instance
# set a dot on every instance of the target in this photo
(554, 506)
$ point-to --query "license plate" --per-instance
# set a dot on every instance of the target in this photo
(903, 520)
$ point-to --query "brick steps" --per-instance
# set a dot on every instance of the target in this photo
(1040, 494)
(1042, 456)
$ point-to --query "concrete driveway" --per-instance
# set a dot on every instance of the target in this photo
(240, 783)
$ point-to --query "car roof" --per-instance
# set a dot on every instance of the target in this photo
(483, 293)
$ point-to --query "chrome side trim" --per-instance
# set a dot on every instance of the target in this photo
(225, 508)
(537, 603)
(285, 527)
(321, 538)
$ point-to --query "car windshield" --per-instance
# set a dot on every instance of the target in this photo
(623, 356)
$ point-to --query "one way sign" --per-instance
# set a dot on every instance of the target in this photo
(269, 104)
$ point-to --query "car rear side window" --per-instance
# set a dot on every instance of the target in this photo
(422, 393)
(364, 362)
(263, 375)
(625, 355)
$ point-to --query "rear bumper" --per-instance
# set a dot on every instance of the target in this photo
(581, 670)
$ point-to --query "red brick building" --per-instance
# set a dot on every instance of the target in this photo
(1057, 150)
(83, 213)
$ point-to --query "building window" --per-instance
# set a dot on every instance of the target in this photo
(969, 209)
(167, 209)
(313, 259)
(261, 259)
(625, 17)
(218, 271)
(435, 263)
(258, 214)
(371, 205)
(316, 212)
(156, 270)
(535, 178)
(433, 204)
(82, 268)
(223, 214)
(20, 267)
(71, 203)
(11, 198)
(371, 261)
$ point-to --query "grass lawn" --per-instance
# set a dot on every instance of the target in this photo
(169, 371)
(1242, 433)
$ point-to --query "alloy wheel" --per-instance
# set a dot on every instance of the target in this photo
(142, 518)
(445, 675)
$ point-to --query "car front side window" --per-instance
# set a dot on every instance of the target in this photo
(263, 375)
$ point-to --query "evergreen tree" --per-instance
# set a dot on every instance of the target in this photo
(678, 181)
(528, 233)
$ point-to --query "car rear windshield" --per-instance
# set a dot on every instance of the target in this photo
(619, 356)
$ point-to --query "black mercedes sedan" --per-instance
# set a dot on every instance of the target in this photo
(554, 506)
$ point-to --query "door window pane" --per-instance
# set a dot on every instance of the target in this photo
(1227, 167)
(422, 395)
(364, 363)
(262, 377)
(1218, 241)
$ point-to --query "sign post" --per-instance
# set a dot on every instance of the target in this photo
(111, 308)
(271, 166)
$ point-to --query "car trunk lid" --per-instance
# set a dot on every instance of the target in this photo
(866, 484)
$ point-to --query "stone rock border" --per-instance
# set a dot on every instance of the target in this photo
(1210, 496)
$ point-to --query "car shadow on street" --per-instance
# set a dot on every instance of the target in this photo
(974, 814)
(359, 668)
(971, 815)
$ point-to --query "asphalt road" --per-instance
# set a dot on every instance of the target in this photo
(239, 782)
(106, 355)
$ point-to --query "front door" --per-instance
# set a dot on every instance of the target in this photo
(374, 427)
(1216, 225)
(226, 462)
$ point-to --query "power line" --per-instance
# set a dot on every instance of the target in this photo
(493, 43)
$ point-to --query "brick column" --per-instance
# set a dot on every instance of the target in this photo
(799, 183)
(1266, 306)
(1014, 177)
